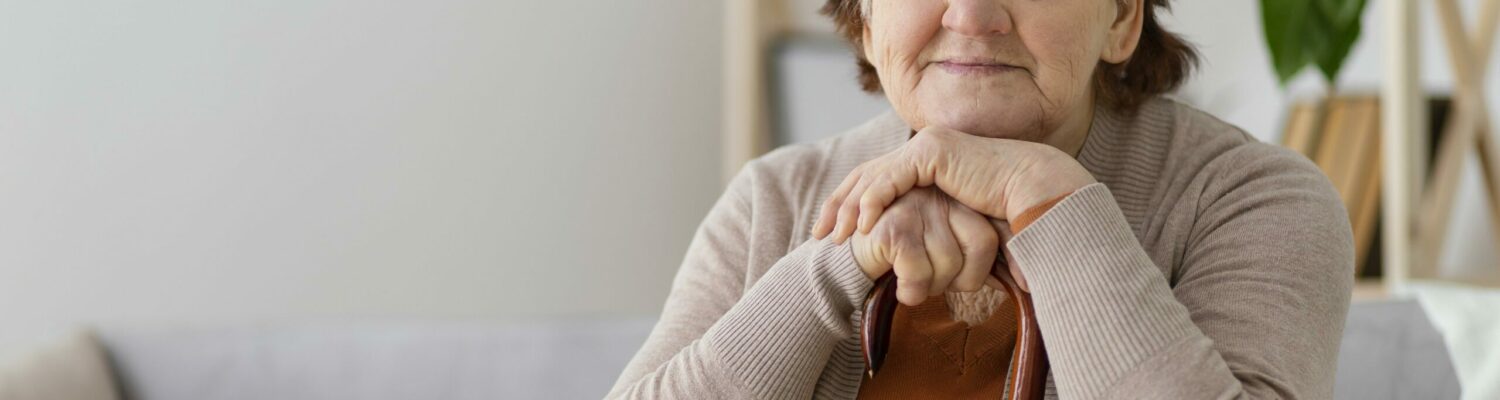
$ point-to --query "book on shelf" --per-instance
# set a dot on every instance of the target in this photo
(1342, 136)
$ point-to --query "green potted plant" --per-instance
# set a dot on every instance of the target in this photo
(1310, 32)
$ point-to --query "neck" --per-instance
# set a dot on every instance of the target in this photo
(1070, 136)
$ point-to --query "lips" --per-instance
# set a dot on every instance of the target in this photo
(975, 67)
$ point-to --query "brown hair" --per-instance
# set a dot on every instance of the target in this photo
(1162, 60)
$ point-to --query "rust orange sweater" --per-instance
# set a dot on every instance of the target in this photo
(934, 356)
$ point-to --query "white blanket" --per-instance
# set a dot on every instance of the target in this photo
(1469, 320)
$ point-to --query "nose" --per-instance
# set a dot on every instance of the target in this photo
(977, 18)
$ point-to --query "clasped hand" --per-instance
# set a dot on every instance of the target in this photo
(936, 210)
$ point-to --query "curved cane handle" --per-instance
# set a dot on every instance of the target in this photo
(875, 331)
(1028, 372)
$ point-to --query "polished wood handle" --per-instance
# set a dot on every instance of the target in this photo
(1028, 373)
(875, 331)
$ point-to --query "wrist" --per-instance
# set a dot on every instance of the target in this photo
(1034, 213)
(1046, 186)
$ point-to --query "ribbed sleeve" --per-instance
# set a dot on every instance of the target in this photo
(1103, 305)
(1257, 312)
(775, 341)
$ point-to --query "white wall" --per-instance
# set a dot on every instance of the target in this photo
(167, 161)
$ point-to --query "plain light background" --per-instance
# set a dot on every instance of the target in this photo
(185, 162)
(169, 161)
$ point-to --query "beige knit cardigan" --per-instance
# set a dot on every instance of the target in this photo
(1203, 264)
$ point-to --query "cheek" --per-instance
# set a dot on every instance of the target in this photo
(1066, 51)
(901, 30)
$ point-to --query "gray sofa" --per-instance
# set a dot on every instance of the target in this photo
(1390, 351)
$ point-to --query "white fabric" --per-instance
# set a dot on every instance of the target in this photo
(1469, 320)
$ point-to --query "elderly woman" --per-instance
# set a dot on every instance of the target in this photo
(1168, 254)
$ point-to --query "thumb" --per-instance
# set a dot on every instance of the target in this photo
(871, 257)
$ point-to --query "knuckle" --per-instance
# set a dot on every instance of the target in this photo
(916, 274)
(967, 285)
(969, 241)
(915, 281)
(951, 263)
(988, 238)
(910, 273)
(941, 254)
(890, 187)
(847, 208)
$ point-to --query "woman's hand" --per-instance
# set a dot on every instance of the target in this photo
(999, 178)
(934, 244)
(1002, 227)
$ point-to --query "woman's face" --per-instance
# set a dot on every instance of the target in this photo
(1019, 69)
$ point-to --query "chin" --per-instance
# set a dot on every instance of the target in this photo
(1005, 121)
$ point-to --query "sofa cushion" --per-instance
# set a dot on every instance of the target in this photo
(71, 367)
(553, 359)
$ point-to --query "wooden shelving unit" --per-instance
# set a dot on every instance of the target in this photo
(1416, 213)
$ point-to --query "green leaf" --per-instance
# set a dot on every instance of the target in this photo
(1302, 32)
(1341, 13)
(1341, 41)
(1285, 27)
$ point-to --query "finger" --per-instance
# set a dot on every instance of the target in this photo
(872, 256)
(1003, 229)
(884, 189)
(979, 242)
(994, 283)
(1015, 272)
(873, 203)
(827, 216)
(913, 271)
(942, 248)
(849, 211)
